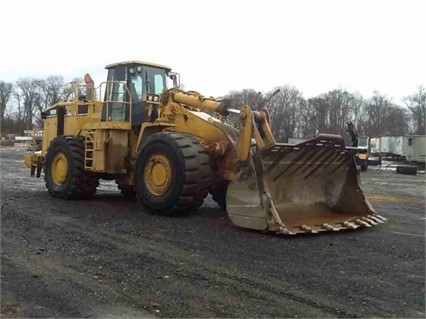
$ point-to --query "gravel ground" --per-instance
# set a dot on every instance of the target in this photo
(107, 258)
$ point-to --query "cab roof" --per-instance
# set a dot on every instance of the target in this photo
(109, 66)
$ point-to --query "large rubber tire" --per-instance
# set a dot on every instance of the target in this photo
(407, 170)
(185, 169)
(64, 172)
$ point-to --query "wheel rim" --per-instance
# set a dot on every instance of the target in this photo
(158, 174)
(59, 168)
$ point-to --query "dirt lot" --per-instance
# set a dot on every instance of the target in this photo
(107, 258)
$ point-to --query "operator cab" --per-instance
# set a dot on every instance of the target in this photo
(363, 142)
(131, 87)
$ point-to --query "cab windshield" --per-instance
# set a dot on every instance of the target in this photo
(146, 80)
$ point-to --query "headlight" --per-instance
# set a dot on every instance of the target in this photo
(149, 97)
(156, 98)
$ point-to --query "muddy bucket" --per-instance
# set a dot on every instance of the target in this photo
(308, 187)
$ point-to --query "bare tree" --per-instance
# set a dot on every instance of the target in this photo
(21, 105)
(377, 109)
(284, 110)
(238, 98)
(306, 126)
(340, 102)
(6, 90)
(51, 90)
(28, 92)
(316, 112)
(20, 108)
(357, 103)
(246, 96)
(396, 123)
(416, 103)
(67, 89)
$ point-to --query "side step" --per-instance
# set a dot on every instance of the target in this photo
(88, 153)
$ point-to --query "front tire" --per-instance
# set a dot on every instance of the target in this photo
(172, 173)
(64, 172)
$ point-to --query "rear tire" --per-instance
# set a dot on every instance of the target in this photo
(172, 173)
(64, 172)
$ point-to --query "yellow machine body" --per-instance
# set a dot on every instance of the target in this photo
(183, 149)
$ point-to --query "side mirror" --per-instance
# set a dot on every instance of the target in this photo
(175, 78)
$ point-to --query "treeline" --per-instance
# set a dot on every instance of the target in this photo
(292, 115)
(22, 102)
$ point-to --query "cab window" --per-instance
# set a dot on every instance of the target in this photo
(136, 87)
(159, 83)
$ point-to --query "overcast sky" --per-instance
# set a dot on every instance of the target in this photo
(219, 46)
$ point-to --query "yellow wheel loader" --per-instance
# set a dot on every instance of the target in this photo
(172, 148)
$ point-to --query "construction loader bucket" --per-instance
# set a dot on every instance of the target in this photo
(309, 187)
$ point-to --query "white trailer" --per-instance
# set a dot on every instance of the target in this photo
(397, 145)
(392, 146)
(385, 146)
(415, 148)
(375, 146)
(405, 148)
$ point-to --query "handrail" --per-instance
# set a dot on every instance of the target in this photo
(107, 101)
(96, 93)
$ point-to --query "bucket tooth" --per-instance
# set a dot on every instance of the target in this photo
(381, 217)
(285, 231)
(377, 220)
(350, 225)
(369, 220)
(308, 229)
(362, 223)
(330, 227)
